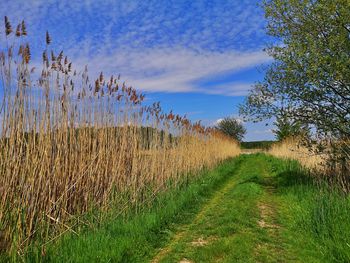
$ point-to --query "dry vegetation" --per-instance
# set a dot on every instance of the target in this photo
(292, 149)
(68, 146)
(332, 164)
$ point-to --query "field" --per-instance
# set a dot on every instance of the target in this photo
(93, 169)
(252, 208)
(72, 148)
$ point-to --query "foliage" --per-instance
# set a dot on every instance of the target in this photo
(265, 145)
(232, 128)
(254, 208)
(286, 128)
(309, 80)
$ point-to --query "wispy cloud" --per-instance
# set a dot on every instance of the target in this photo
(175, 70)
(262, 131)
(202, 47)
(217, 25)
(155, 45)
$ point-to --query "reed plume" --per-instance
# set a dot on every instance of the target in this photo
(69, 147)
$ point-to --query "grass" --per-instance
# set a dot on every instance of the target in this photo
(316, 211)
(69, 146)
(312, 213)
(253, 208)
(226, 225)
(136, 237)
(269, 211)
(325, 208)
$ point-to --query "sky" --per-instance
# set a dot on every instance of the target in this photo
(198, 58)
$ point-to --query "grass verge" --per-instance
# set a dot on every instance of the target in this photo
(313, 211)
(135, 238)
(254, 208)
(270, 211)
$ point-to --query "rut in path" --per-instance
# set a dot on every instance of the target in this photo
(238, 224)
(268, 219)
(209, 206)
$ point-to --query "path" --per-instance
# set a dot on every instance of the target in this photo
(239, 224)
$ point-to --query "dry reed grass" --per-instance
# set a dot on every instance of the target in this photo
(292, 148)
(332, 163)
(69, 146)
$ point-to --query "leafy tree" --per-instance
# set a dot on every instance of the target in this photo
(286, 128)
(309, 80)
(232, 127)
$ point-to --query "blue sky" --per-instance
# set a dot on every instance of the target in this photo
(198, 58)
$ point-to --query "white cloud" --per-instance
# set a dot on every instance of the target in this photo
(154, 45)
(262, 131)
(238, 119)
(174, 69)
(218, 121)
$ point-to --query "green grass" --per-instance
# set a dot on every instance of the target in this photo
(136, 237)
(302, 222)
(254, 208)
(316, 211)
(227, 223)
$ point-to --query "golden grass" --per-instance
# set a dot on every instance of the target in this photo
(332, 164)
(291, 148)
(69, 146)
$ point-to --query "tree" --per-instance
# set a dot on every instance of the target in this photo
(286, 128)
(232, 127)
(309, 80)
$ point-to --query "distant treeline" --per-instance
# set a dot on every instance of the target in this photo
(265, 145)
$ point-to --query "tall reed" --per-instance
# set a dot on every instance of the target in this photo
(293, 149)
(330, 163)
(69, 145)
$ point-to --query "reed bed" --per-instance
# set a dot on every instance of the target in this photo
(70, 145)
(331, 163)
(292, 148)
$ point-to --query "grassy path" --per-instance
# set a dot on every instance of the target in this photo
(242, 222)
(253, 208)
